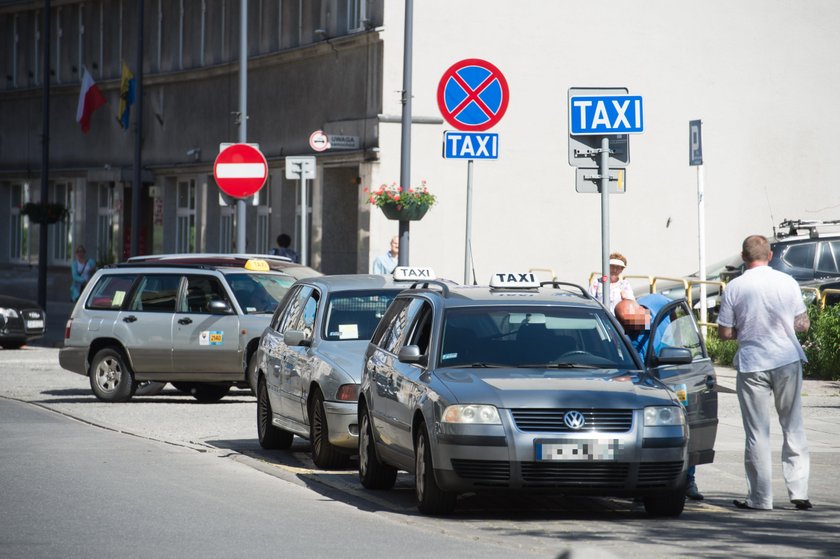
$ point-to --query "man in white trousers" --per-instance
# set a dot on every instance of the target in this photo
(763, 310)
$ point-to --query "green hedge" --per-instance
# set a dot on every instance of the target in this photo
(821, 344)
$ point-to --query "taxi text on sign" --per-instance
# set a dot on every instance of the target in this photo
(470, 145)
(604, 115)
(240, 170)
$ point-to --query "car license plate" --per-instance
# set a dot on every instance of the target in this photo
(579, 449)
(34, 324)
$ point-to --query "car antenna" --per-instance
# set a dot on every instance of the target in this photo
(472, 263)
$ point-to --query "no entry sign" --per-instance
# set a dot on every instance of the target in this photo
(240, 170)
(473, 95)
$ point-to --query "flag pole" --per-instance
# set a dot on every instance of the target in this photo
(138, 136)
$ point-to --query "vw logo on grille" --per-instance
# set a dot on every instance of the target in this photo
(574, 420)
(33, 314)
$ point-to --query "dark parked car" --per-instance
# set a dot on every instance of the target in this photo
(21, 321)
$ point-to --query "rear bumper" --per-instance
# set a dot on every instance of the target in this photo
(73, 359)
(343, 423)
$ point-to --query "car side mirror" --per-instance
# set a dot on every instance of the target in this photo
(673, 356)
(294, 338)
(411, 354)
(217, 306)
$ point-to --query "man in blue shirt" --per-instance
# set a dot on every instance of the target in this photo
(636, 318)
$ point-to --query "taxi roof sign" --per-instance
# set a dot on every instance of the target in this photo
(408, 273)
(515, 280)
(257, 265)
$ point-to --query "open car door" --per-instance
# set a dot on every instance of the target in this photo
(674, 326)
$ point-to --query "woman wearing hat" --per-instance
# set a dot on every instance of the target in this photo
(619, 288)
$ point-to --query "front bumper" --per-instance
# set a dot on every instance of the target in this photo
(343, 424)
(635, 462)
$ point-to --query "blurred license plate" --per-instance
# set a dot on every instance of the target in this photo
(34, 324)
(590, 449)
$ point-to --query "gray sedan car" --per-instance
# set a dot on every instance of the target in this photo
(519, 386)
(309, 361)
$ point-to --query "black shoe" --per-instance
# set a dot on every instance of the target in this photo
(743, 505)
(693, 493)
(802, 504)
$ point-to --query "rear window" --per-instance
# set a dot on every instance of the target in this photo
(355, 315)
(110, 292)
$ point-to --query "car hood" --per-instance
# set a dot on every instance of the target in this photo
(345, 355)
(551, 388)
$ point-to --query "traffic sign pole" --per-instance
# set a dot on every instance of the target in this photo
(695, 158)
(243, 116)
(605, 220)
(468, 236)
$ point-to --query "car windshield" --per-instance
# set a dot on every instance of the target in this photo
(548, 337)
(354, 315)
(259, 293)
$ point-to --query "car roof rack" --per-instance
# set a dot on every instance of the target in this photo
(800, 226)
(561, 284)
(428, 284)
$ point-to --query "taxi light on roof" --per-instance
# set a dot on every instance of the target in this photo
(514, 280)
(406, 273)
(257, 265)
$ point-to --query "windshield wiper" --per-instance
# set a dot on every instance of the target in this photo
(483, 365)
(559, 366)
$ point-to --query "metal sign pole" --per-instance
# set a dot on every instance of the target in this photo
(605, 219)
(468, 237)
(243, 115)
(701, 232)
(304, 238)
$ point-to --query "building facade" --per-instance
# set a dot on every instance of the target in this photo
(337, 65)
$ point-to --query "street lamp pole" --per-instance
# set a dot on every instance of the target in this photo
(405, 153)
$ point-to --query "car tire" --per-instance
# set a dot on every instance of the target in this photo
(204, 392)
(149, 388)
(270, 437)
(372, 473)
(671, 503)
(431, 499)
(111, 378)
(324, 454)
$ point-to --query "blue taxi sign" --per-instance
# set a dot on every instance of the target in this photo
(408, 273)
(516, 280)
(604, 115)
(470, 145)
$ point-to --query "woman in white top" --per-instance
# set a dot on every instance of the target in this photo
(619, 288)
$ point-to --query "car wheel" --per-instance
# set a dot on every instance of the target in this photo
(270, 437)
(372, 473)
(204, 392)
(149, 388)
(110, 377)
(251, 373)
(671, 503)
(431, 499)
(324, 454)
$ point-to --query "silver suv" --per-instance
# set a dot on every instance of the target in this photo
(194, 325)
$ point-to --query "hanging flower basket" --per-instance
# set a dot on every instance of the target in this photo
(402, 205)
(44, 213)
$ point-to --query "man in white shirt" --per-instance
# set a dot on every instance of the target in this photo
(763, 310)
(385, 263)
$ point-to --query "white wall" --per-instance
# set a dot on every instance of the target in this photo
(761, 74)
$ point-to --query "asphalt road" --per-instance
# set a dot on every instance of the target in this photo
(543, 525)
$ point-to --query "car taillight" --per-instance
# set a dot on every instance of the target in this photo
(67, 329)
(348, 392)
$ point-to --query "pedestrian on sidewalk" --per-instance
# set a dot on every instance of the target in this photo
(763, 310)
(81, 270)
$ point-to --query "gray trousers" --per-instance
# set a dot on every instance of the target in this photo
(784, 385)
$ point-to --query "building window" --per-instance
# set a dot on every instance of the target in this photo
(62, 240)
(356, 15)
(106, 231)
(185, 217)
(19, 225)
(226, 230)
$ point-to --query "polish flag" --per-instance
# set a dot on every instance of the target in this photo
(90, 99)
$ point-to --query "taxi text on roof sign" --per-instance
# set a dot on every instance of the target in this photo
(517, 279)
(257, 265)
(606, 114)
(406, 273)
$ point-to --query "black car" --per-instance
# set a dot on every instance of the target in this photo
(21, 321)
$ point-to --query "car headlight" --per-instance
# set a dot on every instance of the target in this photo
(8, 313)
(664, 415)
(483, 414)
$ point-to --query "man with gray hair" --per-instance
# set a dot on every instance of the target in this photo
(763, 310)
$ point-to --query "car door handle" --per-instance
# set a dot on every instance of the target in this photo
(710, 382)
(130, 318)
(185, 320)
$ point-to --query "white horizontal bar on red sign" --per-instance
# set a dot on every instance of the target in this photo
(240, 170)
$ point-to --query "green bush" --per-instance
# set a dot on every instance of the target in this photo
(822, 343)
